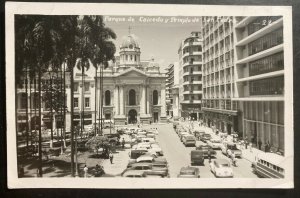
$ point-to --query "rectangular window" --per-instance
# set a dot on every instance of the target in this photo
(269, 86)
(269, 40)
(87, 102)
(266, 64)
(75, 102)
(86, 86)
(75, 87)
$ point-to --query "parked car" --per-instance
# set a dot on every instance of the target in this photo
(205, 137)
(197, 157)
(221, 168)
(228, 148)
(189, 140)
(133, 173)
(205, 149)
(180, 134)
(152, 168)
(175, 124)
(113, 137)
(157, 149)
(189, 172)
(215, 143)
(198, 134)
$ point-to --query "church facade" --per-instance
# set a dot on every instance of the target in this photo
(133, 90)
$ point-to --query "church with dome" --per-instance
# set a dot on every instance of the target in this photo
(133, 89)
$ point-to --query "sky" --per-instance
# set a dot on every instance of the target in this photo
(158, 37)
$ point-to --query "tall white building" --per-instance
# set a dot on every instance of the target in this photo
(190, 73)
(219, 87)
(259, 77)
(172, 89)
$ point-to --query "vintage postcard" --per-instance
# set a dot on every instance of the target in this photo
(149, 96)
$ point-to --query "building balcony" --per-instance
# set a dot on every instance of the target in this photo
(194, 43)
(245, 21)
(261, 54)
(261, 76)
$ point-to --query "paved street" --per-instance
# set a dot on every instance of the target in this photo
(178, 155)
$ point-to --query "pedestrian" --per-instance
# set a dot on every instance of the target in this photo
(111, 157)
(209, 155)
(250, 147)
(268, 147)
(259, 144)
(246, 142)
(123, 143)
(85, 169)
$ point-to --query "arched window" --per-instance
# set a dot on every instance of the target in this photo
(155, 97)
(107, 97)
(132, 97)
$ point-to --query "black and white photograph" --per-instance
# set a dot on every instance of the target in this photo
(149, 96)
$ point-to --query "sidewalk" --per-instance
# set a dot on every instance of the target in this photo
(249, 155)
(120, 160)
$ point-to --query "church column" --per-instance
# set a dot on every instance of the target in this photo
(148, 100)
(143, 98)
(121, 100)
(116, 100)
(163, 102)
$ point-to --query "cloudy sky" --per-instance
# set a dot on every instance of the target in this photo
(158, 37)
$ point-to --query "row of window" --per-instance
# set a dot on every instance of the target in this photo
(269, 40)
(192, 78)
(266, 64)
(220, 104)
(191, 69)
(86, 87)
(260, 23)
(193, 97)
(269, 86)
(130, 58)
(192, 87)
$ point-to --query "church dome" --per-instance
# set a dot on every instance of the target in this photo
(129, 42)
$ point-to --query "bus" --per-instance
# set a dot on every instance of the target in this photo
(270, 165)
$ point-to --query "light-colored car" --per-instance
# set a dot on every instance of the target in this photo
(134, 173)
(189, 140)
(157, 149)
(147, 139)
(221, 168)
(229, 148)
(189, 172)
(215, 143)
(180, 134)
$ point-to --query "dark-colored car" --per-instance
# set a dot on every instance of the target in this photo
(205, 149)
(204, 137)
(198, 134)
(189, 172)
(113, 137)
(197, 157)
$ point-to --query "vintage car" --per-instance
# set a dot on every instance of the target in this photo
(205, 137)
(198, 134)
(152, 168)
(189, 172)
(229, 148)
(221, 168)
(197, 157)
(133, 173)
(189, 140)
(215, 143)
(205, 149)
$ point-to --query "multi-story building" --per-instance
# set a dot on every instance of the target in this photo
(259, 77)
(172, 93)
(220, 111)
(190, 72)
